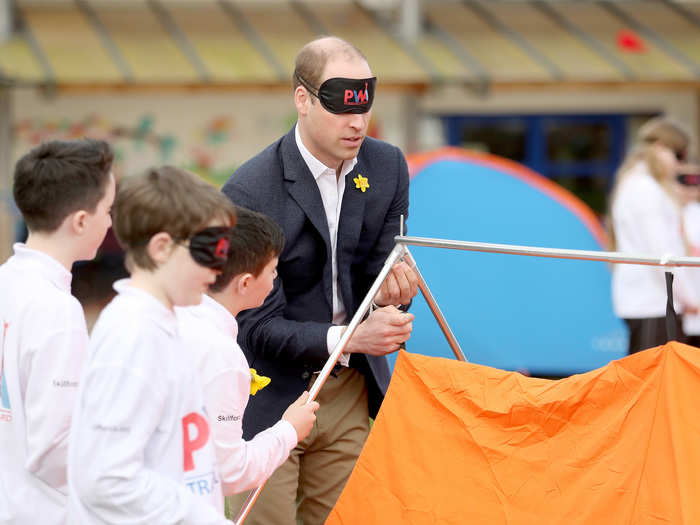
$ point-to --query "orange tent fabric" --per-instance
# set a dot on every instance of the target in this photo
(459, 443)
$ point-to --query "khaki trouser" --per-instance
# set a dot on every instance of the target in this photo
(305, 488)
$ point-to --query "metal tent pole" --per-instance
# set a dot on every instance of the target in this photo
(556, 253)
(437, 313)
(401, 250)
(394, 256)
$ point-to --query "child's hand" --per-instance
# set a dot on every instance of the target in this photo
(301, 415)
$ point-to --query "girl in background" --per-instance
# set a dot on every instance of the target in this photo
(689, 178)
(646, 215)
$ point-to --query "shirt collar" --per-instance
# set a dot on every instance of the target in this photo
(162, 315)
(316, 167)
(219, 314)
(50, 267)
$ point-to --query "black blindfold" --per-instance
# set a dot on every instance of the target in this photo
(344, 95)
(688, 174)
(687, 179)
(209, 247)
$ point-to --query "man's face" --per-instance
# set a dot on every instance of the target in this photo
(333, 138)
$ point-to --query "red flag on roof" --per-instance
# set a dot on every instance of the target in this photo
(460, 443)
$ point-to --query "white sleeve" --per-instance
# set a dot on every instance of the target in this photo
(664, 239)
(332, 339)
(691, 221)
(684, 288)
(52, 373)
(119, 411)
(243, 464)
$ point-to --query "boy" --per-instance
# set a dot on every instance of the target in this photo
(140, 449)
(210, 331)
(64, 191)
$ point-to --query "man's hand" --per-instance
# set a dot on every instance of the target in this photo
(399, 287)
(383, 332)
(301, 415)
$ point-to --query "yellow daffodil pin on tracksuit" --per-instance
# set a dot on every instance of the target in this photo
(257, 382)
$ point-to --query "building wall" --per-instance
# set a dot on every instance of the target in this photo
(5, 20)
(213, 133)
(6, 213)
(681, 104)
(208, 133)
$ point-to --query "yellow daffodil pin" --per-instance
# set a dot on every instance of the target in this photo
(361, 183)
(257, 382)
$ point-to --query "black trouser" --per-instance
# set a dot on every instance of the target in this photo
(693, 340)
(647, 333)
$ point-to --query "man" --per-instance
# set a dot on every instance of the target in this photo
(339, 197)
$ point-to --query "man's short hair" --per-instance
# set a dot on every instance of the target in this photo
(313, 57)
(58, 178)
(257, 239)
(165, 199)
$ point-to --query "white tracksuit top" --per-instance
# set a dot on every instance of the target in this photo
(209, 331)
(647, 222)
(691, 220)
(141, 450)
(43, 341)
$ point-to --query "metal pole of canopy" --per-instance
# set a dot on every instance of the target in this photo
(556, 253)
(437, 313)
(400, 250)
(394, 256)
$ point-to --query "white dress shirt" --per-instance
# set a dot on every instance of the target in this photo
(43, 342)
(647, 221)
(332, 188)
(209, 331)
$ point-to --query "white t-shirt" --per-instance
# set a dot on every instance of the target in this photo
(647, 222)
(43, 341)
(209, 331)
(141, 450)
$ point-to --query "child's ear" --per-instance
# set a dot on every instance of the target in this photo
(160, 246)
(78, 220)
(244, 283)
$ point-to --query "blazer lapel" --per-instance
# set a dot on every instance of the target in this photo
(303, 189)
(352, 213)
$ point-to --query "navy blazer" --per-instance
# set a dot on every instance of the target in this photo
(285, 338)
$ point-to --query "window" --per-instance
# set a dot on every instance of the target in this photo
(580, 152)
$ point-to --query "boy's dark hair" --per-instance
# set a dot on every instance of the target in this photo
(256, 241)
(165, 199)
(58, 178)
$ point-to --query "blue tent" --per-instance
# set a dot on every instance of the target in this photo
(546, 316)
